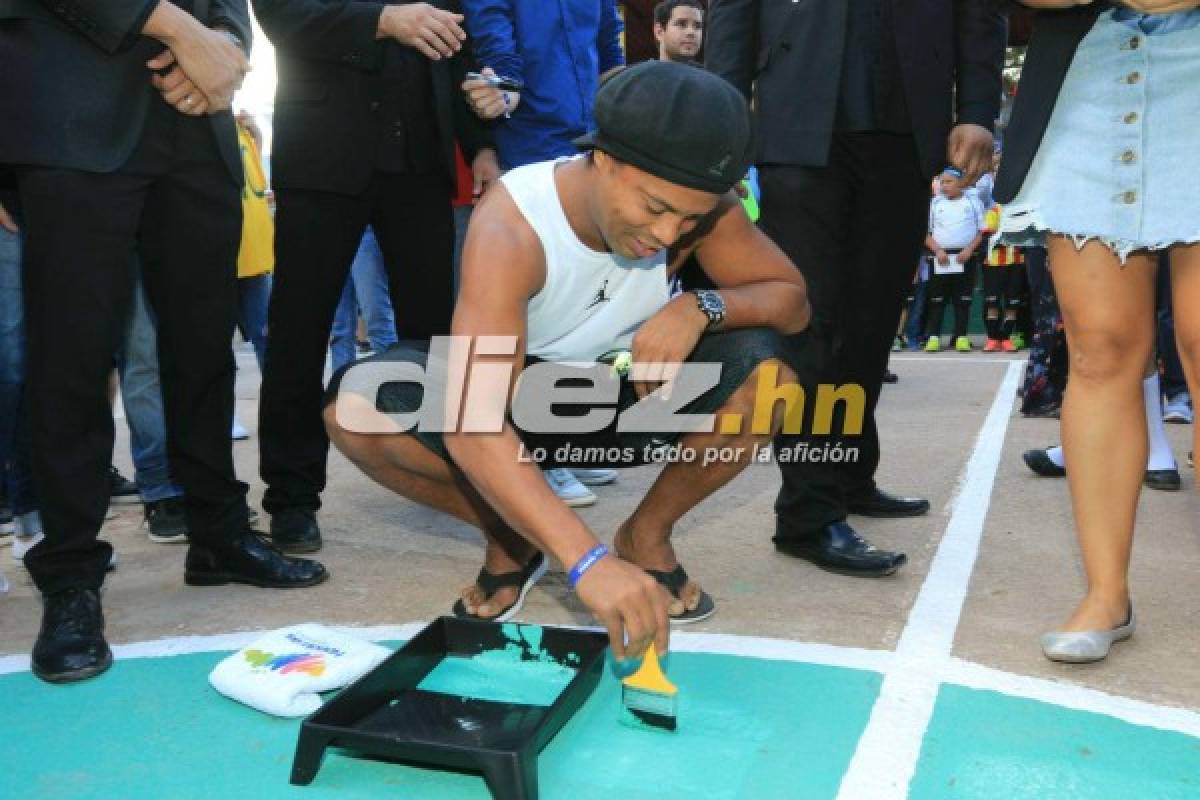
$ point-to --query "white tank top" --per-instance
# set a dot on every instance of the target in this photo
(591, 302)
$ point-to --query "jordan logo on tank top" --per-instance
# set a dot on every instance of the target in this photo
(599, 298)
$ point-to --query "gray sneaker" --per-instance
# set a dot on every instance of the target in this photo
(568, 488)
(1178, 409)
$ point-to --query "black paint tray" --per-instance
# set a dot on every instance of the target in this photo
(384, 715)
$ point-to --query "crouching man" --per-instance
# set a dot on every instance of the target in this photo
(567, 261)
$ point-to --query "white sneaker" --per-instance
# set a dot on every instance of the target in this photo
(568, 489)
(594, 477)
(1178, 408)
(240, 433)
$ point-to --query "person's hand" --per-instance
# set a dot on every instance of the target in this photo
(965, 255)
(629, 604)
(487, 101)
(176, 88)
(1159, 6)
(435, 33)
(6, 220)
(485, 170)
(970, 148)
(942, 257)
(664, 342)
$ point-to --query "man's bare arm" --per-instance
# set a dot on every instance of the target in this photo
(760, 285)
(502, 268)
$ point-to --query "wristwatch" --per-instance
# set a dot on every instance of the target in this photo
(710, 303)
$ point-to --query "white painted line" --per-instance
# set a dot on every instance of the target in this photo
(1068, 695)
(886, 757)
(953, 670)
(726, 644)
(183, 645)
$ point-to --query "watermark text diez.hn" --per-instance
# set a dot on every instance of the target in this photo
(461, 396)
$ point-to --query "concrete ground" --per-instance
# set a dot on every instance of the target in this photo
(392, 562)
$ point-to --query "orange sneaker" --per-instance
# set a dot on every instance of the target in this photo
(1007, 346)
(991, 345)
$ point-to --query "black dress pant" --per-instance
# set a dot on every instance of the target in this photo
(854, 228)
(316, 237)
(175, 205)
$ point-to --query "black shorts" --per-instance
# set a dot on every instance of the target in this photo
(739, 353)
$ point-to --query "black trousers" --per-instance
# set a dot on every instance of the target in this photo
(958, 290)
(854, 228)
(176, 206)
(316, 237)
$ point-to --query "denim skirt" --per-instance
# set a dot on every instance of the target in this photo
(1120, 159)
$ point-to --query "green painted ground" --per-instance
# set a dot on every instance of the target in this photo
(988, 745)
(153, 728)
(750, 728)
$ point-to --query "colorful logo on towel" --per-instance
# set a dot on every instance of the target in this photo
(308, 663)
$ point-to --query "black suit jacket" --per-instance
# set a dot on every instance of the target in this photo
(325, 126)
(1056, 34)
(74, 87)
(789, 54)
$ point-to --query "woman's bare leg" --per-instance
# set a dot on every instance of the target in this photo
(1108, 313)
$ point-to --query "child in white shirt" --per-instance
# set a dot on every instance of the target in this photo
(955, 234)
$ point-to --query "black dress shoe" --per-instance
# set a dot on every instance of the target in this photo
(838, 548)
(890, 377)
(295, 530)
(71, 646)
(249, 559)
(1166, 480)
(878, 503)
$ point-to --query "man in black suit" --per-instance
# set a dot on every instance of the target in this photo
(116, 116)
(366, 115)
(859, 104)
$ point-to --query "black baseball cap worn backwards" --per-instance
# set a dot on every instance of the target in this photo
(676, 122)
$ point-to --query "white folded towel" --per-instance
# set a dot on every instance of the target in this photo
(282, 672)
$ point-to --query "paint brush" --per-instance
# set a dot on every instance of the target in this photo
(648, 699)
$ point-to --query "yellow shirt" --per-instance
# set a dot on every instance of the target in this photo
(256, 255)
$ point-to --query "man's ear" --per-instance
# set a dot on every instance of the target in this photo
(659, 31)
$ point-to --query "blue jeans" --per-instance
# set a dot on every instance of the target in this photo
(914, 323)
(366, 290)
(14, 432)
(141, 392)
(253, 295)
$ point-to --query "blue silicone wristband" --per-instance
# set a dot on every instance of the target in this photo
(584, 564)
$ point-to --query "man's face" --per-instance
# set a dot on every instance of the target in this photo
(680, 40)
(639, 214)
(951, 186)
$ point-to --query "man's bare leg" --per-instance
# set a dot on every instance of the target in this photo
(401, 463)
(645, 538)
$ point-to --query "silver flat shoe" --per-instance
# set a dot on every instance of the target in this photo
(1084, 647)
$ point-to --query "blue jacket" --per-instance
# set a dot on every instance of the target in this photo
(558, 49)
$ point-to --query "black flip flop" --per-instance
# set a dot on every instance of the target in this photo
(491, 584)
(674, 582)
